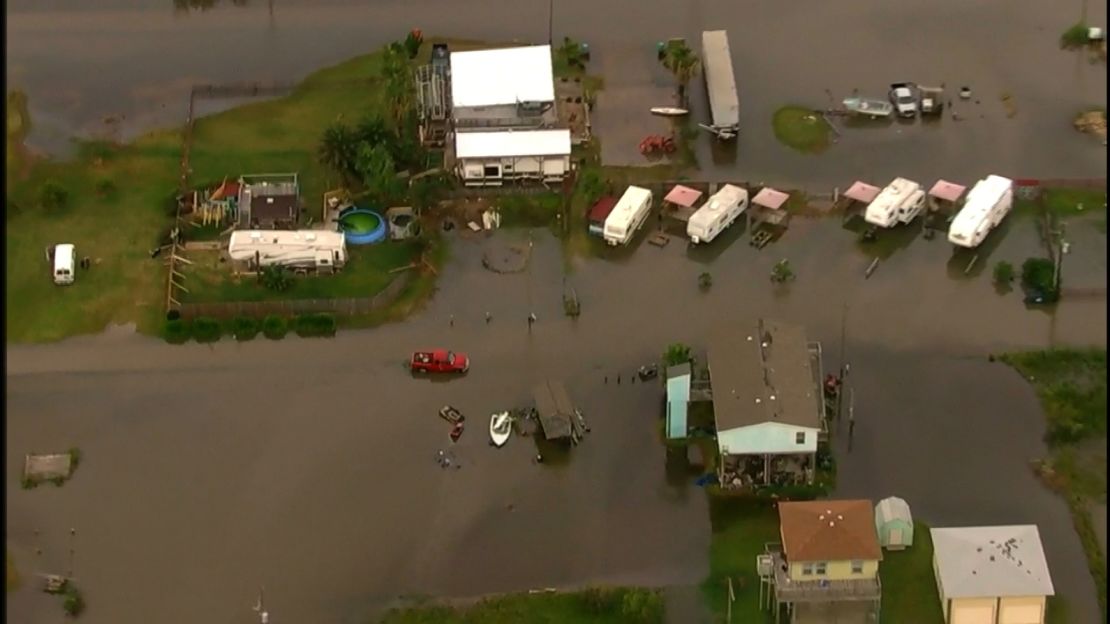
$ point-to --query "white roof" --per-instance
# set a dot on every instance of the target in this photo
(894, 194)
(991, 562)
(502, 76)
(510, 143)
(983, 196)
(729, 195)
(271, 243)
(893, 508)
(627, 206)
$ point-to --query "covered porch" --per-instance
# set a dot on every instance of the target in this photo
(741, 471)
(805, 597)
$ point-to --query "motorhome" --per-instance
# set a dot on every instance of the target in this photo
(900, 202)
(717, 214)
(65, 264)
(298, 249)
(628, 215)
(989, 201)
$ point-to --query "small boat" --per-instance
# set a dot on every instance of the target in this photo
(500, 428)
(866, 106)
(669, 111)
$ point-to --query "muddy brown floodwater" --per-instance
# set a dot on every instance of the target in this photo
(135, 60)
(307, 466)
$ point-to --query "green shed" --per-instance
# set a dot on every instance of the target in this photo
(894, 523)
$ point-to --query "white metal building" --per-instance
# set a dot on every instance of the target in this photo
(991, 575)
(489, 158)
(319, 249)
(503, 87)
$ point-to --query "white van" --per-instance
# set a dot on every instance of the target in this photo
(628, 215)
(65, 263)
(717, 214)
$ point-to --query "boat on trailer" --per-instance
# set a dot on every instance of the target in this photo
(867, 106)
(500, 428)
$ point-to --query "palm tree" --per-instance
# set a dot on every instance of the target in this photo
(338, 148)
(683, 64)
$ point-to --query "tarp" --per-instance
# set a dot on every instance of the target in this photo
(770, 198)
(947, 191)
(862, 192)
(683, 196)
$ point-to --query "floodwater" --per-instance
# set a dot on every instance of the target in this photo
(134, 60)
(308, 466)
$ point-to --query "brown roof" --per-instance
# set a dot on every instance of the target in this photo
(554, 409)
(271, 208)
(829, 530)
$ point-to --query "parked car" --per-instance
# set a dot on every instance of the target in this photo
(904, 99)
(439, 361)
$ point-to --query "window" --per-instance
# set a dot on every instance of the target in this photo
(857, 567)
(800, 437)
(807, 569)
(820, 568)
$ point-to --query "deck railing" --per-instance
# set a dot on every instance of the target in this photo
(819, 590)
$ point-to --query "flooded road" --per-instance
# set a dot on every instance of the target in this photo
(308, 466)
(135, 59)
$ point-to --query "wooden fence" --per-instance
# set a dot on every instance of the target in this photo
(349, 306)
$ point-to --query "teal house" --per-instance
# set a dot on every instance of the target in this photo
(678, 400)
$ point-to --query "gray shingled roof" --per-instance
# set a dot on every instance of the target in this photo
(760, 372)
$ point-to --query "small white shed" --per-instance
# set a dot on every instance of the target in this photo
(894, 523)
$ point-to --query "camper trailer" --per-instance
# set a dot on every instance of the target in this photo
(989, 202)
(65, 264)
(300, 249)
(717, 214)
(628, 215)
(900, 202)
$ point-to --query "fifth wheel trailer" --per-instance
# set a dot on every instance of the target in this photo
(900, 202)
(300, 249)
(717, 214)
(989, 201)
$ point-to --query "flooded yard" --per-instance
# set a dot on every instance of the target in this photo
(309, 466)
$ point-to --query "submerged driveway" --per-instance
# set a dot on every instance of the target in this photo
(308, 466)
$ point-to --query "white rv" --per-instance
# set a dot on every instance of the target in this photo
(900, 202)
(989, 202)
(717, 214)
(65, 264)
(307, 249)
(628, 215)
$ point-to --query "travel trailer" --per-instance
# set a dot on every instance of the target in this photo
(717, 214)
(989, 201)
(628, 215)
(65, 264)
(299, 249)
(900, 202)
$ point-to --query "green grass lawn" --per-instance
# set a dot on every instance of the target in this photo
(1067, 201)
(803, 129)
(909, 587)
(741, 529)
(1071, 385)
(118, 231)
(598, 606)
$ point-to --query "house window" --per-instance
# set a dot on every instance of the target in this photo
(807, 569)
(857, 567)
(820, 568)
(800, 437)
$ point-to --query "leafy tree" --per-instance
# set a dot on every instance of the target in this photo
(782, 272)
(53, 196)
(73, 603)
(676, 354)
(412, 43)
(374, 129)
(378, 171)
(398, 80)
(572, 53)
(1003, 273)
(591, 185)
(683, 63)
(276, 278)
(337, 148)
(1039, 275)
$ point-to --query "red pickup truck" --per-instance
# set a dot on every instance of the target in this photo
(439, 361)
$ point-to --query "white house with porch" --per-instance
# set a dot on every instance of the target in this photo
(767, 403)
(503, 87)
(492, 157)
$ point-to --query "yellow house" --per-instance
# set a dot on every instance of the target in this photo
(829, 554)
(991, 575)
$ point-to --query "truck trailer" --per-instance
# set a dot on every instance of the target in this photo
(989, 201)
(720, 82)
(900, 202)
(296, 249)
(717, 214)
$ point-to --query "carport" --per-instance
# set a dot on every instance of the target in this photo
(944, 195)
(858, 195)
(767, 207)
(681, 200)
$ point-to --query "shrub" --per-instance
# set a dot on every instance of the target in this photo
(676, 354)
(58, 481)
(705, 280)
(52, 196)
(600, 600)
(206, 329)
(105, 188)
(244, 328)
(312, 325)
(73, 602)
(274, 327)
(276, 278)
(782, 272)
(1075, 37)
(176, 331)
(1003, 273)
(1037, 274)
(28, 483)
(641, 606)
(74, 458)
